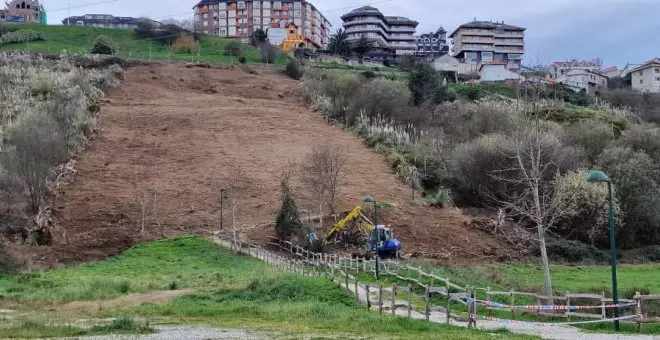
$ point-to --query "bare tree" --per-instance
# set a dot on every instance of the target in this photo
(186, 24)
(321, 173)
(234, 182)
(145, 201)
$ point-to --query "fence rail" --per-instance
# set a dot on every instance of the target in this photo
(417, 298)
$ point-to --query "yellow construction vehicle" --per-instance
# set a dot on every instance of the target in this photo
(380, 238)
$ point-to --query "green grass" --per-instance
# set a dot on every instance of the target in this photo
(231, 292)
(162, 265)
(78, 40)
(32, 329)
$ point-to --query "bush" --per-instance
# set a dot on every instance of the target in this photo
(582, 209)
(21, 36)
(294, 69)
(163, 34)
(572, 251)
(443, 198)
(35, 145)
(242, 59)
(379, 98)
(186, 43)
(426, 86)
(102, 45)
(368, 75)
(287, 223)
(234, 48)
(269, 53)
(590, 135)
(644, 138)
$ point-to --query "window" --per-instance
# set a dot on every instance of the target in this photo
(641, 81)
(266, 13)
(277, 4)
(297, 5)
(256, 21)
(256, 12)
(657, 78)
(297, 14)
(266, 4)
(657, 70)
(641, 73)
(231, 13)
(256, 4)
(222, 32)
(222, 14)
(206, 23)
(241, 5)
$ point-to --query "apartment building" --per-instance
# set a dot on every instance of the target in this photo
(239, 19)
(391, 35)
(104, 21)
(23, 11)
(646, 78)
(483, 41)
(560, 68)
(432, 45)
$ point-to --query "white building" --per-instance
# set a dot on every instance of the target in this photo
(560, 68)
(484, 41)
(581, 79)
(646, 78)
(496, 71)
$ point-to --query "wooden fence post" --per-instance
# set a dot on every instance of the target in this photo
(393, 300)
(380, 298)
(357, 291)
(472, 310)
(488, 297)
(513, 305)
(427, 303)
(366, 287)
(448, 300)
(346, 272)
(638, 311)
(410, 302)
(603, 310)
(568, 304)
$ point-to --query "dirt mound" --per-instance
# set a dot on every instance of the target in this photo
(168, 136)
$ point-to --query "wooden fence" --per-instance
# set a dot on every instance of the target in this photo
(427, 293)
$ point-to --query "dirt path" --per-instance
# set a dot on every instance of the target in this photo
(133, 300)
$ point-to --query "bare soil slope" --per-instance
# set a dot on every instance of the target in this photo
(169, 134)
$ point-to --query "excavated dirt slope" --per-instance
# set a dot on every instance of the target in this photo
(168, 136)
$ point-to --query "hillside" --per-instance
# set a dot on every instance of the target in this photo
(79, 39)
(167, 139)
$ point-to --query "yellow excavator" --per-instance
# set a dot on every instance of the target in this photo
(381, 239)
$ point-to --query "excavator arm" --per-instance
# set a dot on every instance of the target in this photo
(355, 214)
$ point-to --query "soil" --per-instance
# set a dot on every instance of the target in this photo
(122, 302)
(166, 141)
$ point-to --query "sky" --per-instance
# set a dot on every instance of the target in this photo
(616, 31)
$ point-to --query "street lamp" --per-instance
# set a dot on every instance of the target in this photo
(369, 199)
(600, 177)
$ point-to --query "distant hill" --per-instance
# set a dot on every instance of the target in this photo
(78, 39)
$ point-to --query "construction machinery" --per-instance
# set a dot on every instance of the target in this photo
(380, 239)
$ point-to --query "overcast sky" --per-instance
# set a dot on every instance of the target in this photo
(617, 31)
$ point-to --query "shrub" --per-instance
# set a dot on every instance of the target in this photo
(379, 98)
(259, 37)
(21, 36)
(242, 59)
(269, 53)
(387, 62)
(368, 75)
(234, 48)
(582, 209)
(643, 138)
(294, 69)
(163, 34)
(35, 145)
(590, 135)
(425, 85)
(186, 43)
(102, 45)
(443, 198)
(287, 223)
(572, 251)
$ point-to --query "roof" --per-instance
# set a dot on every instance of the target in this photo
(610, 69)
(364, 10)
(492, 63)
(575, 63)
(401, 21)
(488, 25)
(652, 62)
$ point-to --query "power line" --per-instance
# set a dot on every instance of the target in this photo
(81, 6)
(352, 7)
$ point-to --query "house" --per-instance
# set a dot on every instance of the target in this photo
(646, 78)
(484, 41)
(583, 79)
(239, 19)
(23, 11)
(293, 39)
(391, 36)
(496, 71)
(560, 68)
(451, 64)
(611, 72)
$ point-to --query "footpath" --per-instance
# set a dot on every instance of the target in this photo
(544, 330)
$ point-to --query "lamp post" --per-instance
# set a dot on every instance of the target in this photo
(600, 177)
(223, 192)
(369, 199)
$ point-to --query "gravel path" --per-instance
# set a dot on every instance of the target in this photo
(183, 333)
(546, 331)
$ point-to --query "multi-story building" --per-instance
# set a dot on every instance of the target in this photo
(584, 79)
(391, 36)
(26, 11)
(646, 78)
(103, 20)
(484, 41)
(240, 18)
(431, 46)
(560, 68)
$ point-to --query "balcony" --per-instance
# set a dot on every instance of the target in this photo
(509, 34)
(477, 40)
(509, 49)
(364, 21)
(361, 30)
(402, 30)
(517, 42)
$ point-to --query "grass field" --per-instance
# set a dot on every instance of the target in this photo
(78, 40)
(230, 291)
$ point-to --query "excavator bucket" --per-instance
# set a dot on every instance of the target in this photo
(354, 218)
